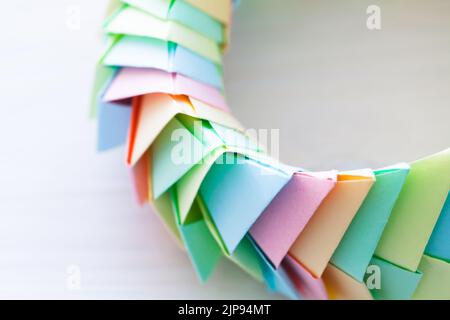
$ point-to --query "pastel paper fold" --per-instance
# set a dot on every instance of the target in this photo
(132, 82)
(140, 173)
(135, 22)
(113, 125)
(153, 112)
(416, 211)
(396, 283)
(283, 220)
(141, 52)
(358, 245)
(189, 185)
(183, 13)
(439, 244)
(340, 286)
(317, 242)
(218, 9)
(434, 284)
(307, 286)
(202, 248)
(168, 164)
(236, 194)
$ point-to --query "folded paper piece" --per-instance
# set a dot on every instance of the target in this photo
(135, 22)
(218, 9)
(153, 112)
(307, 235)
(170, 159)
(435, 281)
(340, 286)
(189, 185)
(286, 216)
(113, 122)
(237, 193)
(202, 248)
(416, 211)
(141, 171)
(361, 238)
(391, 282)
(317, 242)
(307, 286)
(439, 243)
(131, 82)
(184, 13)
(137, 52)
(278, 280)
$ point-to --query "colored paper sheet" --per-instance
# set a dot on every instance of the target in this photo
(439, 244)
(184, 143)
(113, 123)
(283, 220)
(356, 249)
(132, 82)
(176, 150)
(341, 286)
(277, 280)
(416, 211)
(209, 222)
(236, 194)
(202, 248)
(183, 13)
(218, 9)
(135, 22)
(164, 209)
(306, 285)
(246, 257)
(140, 173)
(153, 112)
(396, 283)
(435, 281)
(140, 52)
(189, 185)
(235, 138)
(316, 244)
(199, 21)
(103, 78)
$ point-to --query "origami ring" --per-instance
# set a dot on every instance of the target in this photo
(307, 235)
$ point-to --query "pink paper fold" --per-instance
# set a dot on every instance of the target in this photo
(284, 219)
(310, 288)
(131, 82)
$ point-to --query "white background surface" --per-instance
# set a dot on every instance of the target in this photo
(62, 204)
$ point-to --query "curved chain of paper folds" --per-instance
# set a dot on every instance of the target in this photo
(363, 234)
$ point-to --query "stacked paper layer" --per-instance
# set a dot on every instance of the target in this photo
(362, 234)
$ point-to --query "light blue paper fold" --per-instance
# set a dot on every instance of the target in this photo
(144, 52)
(237, 193)
(113, 124)
(439, 244)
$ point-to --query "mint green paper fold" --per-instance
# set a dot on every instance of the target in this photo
(396, 283)
(356, 249)
(203, 250)
(180, 146)
(435, 283)
(184, 13)
(416, 211)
